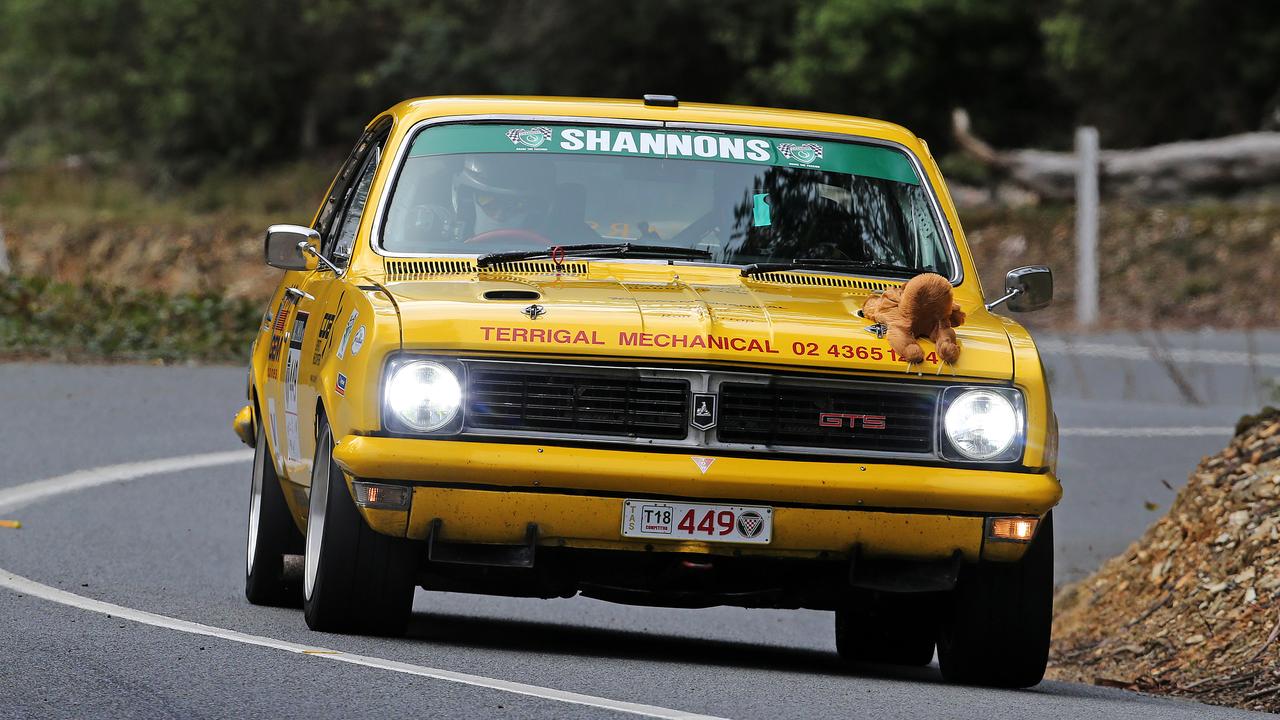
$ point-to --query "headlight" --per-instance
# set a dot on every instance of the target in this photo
(423, 395)
(982, 424)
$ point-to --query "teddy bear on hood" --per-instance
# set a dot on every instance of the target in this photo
(923, 308)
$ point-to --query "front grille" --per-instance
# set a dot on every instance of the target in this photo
(547, 399)
(784, 414)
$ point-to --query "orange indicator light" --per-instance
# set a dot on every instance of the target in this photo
(1012, 529)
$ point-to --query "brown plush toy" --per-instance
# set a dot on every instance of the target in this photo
(921, 308)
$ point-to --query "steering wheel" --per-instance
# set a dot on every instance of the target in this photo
(510, 234)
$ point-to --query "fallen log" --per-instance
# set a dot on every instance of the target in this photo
(1221, 166)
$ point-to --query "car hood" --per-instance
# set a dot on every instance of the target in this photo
(672, 316)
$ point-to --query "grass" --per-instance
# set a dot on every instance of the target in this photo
(43, 318)
(78, 196)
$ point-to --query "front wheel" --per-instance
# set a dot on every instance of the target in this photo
(997, 630)
(354, 579)
(272, 534)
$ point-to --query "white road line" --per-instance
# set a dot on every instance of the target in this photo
(1054, 346)
(14, 497)
(1147, 432)
(81, 479)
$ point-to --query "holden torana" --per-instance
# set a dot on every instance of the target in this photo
(551, 347)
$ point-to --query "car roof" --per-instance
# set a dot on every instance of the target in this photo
(621, 109)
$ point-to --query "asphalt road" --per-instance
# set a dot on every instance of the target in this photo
(171, 543)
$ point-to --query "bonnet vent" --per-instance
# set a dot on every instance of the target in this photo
(792, 278)
(410, 269)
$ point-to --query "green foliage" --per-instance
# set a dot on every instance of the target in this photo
(912, 62)
(193, 86)
(40, 317)
(1153, 72)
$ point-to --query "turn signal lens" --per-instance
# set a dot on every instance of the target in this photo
(1012, 529)
(386, 497)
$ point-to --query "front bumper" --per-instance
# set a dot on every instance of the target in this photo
(489, 493)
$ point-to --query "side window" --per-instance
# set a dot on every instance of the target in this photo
(345, 234)
(344, 184)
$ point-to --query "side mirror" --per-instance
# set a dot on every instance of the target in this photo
(1030, 288)
(283, 247)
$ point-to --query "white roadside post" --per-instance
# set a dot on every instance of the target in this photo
(1087, 226)
(4, 253)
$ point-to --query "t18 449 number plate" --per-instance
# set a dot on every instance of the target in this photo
(697, 521)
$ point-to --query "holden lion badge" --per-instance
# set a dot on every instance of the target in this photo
(703, 415)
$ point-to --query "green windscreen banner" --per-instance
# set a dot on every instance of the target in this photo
(840, 157)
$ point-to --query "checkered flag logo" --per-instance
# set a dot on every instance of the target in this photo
(750, 524)
(806, 152)
(524, 136)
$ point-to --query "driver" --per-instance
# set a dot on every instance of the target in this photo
(502, 191)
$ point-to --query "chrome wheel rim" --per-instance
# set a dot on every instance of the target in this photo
(315, 515)
(255, 505)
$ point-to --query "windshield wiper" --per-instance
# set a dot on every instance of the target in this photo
(588, 249)
(838, 266)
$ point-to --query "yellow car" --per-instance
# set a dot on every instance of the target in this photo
(546, 347)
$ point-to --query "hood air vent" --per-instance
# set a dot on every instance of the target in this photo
(414, 268)
(793, 278)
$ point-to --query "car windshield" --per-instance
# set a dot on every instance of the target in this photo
(483, 188)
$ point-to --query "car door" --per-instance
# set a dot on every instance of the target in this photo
(322, 306)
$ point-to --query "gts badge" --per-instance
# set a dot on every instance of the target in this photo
(851, 421)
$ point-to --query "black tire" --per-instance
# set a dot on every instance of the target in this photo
(997, 630)
(355, 580)
(893, 629)
(272, 535)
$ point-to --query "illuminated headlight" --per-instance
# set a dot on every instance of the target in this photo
(982, 424)
(423, 395)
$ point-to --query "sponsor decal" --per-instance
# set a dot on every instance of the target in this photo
(843, 157)
(357, 341)
(565, 336)
(851, 421)
(346, 334)
(805, 154)
(271, 417)
(324, 339)
(533, 137)
(703, 463)
(341, 386)
(750, 523)
(277, 334)
(293, 363)
(703, 412)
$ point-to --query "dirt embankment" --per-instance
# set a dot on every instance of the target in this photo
(223, 257)
(1171, 266)
(1191, 608)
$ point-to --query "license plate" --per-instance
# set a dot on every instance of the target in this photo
(697, 521)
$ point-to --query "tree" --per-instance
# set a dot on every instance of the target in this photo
(1146, 73)
(912, 61)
